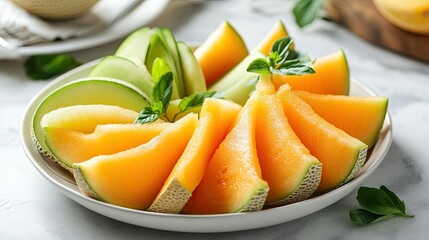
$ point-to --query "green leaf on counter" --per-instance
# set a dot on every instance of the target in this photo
(43, 67)
(379, 204)
(306, 11)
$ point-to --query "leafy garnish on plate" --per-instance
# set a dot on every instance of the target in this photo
(42, 67)
(160, 95)
(282, 60)
(378, 204)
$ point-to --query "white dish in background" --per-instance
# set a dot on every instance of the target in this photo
(64, 182)
(141, 15)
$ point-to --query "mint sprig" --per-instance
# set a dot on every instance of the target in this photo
(378, 204)
(282, 60)
(195, 100)
(160, 95)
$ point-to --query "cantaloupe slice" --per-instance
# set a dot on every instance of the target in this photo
(342, 156)
(220, 52)
(86, 91)
(233, 180)
(216, 118)
(360, 117)
(277, 32)
(331, 77)
(70, 146)
(133, 178)
(292, 173)
(80, 118)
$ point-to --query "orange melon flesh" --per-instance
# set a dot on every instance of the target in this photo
(292, 173)
(216, 118)
(132, 178)
(277, 32)
(360, 117)
(342, 156)
(70, 146)
(331, 77)
(220, 52)
(232, 181)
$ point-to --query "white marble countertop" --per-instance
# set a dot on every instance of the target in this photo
(31, 208)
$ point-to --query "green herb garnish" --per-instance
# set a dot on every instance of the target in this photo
(378, 204)
(195, 100)
(43, 67)
(160, 95)
(306, 11)
(282, 60)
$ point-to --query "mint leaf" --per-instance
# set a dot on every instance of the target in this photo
(282, 60)
(395, 199)
(260, 66)
(379, 204)
(160, 95)
(376, 201)
(364, 217)
(159, 68)
(195, 100)
(42, 67)
(306, 11)
(147, 115)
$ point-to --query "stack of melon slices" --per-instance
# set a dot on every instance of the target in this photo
(277, 144)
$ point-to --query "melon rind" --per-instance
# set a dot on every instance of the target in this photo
(305, 189)
(83, 185)
(257, 201)
(37, 136)
(361, 158)
(172, 199)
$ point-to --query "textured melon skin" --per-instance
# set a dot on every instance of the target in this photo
(86, 91)
(306, 188)
(216, 118)
(132, 178)
(334, 148)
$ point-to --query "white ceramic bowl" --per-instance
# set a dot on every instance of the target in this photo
(64, 182)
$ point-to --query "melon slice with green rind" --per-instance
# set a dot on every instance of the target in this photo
(360, 117)
(133, 178)
(232, 181)
(86, 91)
(69, 146)
(331, 77)
(342, 155)
(292, 173)
(216, 118)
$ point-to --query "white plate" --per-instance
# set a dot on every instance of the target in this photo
(138, 17)
(194, 223)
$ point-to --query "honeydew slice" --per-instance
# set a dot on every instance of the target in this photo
(216, 118)
(87, 91)
(342, 155)
(133, 178)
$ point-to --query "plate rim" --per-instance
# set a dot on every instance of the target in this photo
(188, 223)
(151, 8)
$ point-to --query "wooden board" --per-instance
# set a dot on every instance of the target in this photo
(362, 18)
